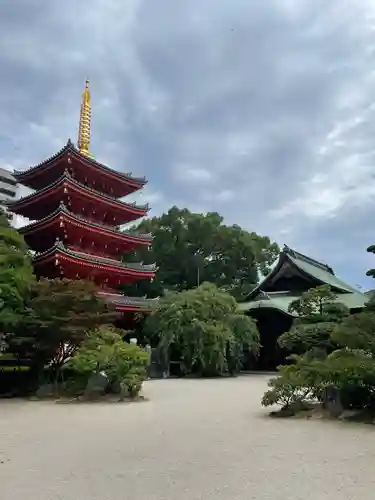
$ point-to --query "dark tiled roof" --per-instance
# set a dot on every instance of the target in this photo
(122, 300)
(70, 147)
(311, 267)
(307, 259)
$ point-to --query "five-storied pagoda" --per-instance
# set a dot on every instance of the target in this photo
(77, 213)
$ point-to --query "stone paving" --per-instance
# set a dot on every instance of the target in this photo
(195, 439)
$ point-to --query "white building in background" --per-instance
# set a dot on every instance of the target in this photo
(8, 186)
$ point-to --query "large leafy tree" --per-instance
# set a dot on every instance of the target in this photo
(204, 328)
(16, 275)
(318, 314)
(192, 248)
(58, 315)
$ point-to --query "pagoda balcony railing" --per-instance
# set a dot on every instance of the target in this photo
(79, 218)
(138, 266)
(114, 229)
(67, 176)
(109, 198)
(88, 251)
(135, 266)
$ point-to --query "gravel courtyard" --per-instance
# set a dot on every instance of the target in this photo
(195, 439)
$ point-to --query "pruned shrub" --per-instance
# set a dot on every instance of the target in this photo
(104, 352)
(289, 390)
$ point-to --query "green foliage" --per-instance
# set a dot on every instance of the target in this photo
(326, 327)
(318, 316)
(304, 337)
(289, 389)
(104, 350)
(192, 248)
(204, 327)
(312, 302)
(357, 332)
(346, 367)
(16, 276)
(57, 317)
(350, 371)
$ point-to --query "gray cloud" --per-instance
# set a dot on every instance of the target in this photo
(262, 111)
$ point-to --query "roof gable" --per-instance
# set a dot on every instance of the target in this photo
(317, 270)
(311, 268)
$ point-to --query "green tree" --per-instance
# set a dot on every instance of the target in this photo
(16, 276)
(346, 377)
(347, 371)
(192, 248)
(357, 332)
(318, 315)
(204, 327)
(58, 314)
(291, 388)
(104, 350)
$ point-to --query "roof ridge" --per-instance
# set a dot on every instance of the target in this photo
(293, 253)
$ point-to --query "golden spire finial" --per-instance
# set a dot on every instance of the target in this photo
(84, 132)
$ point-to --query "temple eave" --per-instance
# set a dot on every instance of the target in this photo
(103, 267)
(281, 306)
(61, 222)
(35, 172)
(64, 260)
(77, 198)
(68, 185)
(133, 308)
(124, 303)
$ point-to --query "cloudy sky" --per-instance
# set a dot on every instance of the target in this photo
(262, 111)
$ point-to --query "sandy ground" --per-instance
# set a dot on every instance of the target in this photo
(193, 440)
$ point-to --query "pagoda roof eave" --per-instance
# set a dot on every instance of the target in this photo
(59, 248)
(125, 303)
(133, 308)
(66, 177)
(62, 210)
(69, 146)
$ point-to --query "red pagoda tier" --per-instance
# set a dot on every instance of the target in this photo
(78, 232)
(77, 213)
(60, 260)
(86, 171)
(80, 199)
